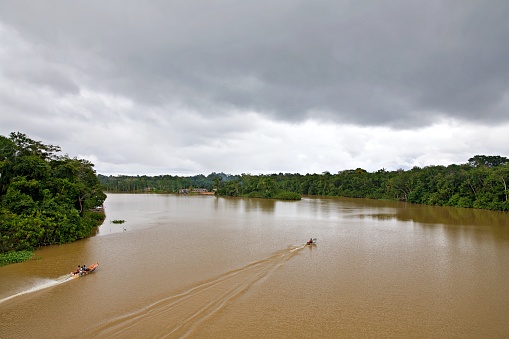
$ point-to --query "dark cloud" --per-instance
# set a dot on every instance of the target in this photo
(397, 63)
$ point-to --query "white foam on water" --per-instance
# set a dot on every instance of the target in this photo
(38, 286)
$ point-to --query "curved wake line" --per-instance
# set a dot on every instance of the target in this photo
(47, 283)
(180, 314)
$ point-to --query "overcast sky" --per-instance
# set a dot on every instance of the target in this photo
(193, 87)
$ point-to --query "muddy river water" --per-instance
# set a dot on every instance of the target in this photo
(207, 267)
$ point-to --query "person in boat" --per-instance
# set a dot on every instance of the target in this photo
(310, 241)
(77, 271)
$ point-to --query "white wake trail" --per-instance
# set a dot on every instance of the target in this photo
(38, 286)
(180, 314)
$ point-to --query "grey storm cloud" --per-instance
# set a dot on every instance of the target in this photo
(378, 63)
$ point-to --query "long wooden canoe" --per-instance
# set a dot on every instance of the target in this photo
(88, 270)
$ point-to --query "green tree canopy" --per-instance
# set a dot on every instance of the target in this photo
(487, 161)
(480, 183)
(44, 198)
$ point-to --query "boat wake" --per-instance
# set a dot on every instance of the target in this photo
(38, 286)
(180, 314)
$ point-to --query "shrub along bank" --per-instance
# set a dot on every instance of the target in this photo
(45, 198)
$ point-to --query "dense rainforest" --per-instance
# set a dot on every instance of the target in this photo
(45, 198)
(479, 183)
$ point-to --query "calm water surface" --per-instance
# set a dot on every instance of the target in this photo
(201, 266)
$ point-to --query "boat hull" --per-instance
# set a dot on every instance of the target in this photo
(91, 269)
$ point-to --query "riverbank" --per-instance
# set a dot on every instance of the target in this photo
(15, 257)
(96, 216)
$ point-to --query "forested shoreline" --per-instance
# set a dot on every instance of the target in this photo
(45, 198)
(479, 183)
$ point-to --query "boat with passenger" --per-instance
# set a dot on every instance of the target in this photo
(311, 241)
(83, 270)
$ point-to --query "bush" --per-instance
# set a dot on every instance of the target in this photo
(285, 195)
(15, 257)
(96, 217)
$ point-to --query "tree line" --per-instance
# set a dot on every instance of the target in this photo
(45, 198)
(479, 183)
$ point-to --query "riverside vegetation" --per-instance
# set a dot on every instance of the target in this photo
(45, 198)
(479, 183)
(48, 199)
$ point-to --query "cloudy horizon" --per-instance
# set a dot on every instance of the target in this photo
(195, 87)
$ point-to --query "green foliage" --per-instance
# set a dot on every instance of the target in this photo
(15, 257)
(118, 221)
(97, 218)
(44, 198)
(285, 195)
(487, 161)
(480, 183)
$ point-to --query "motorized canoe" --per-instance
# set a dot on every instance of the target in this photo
(311, 241)
(88, 270)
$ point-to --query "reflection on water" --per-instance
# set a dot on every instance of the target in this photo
(227, 267)
(249, 205)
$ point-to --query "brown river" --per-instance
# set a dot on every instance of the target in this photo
(207, 267)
